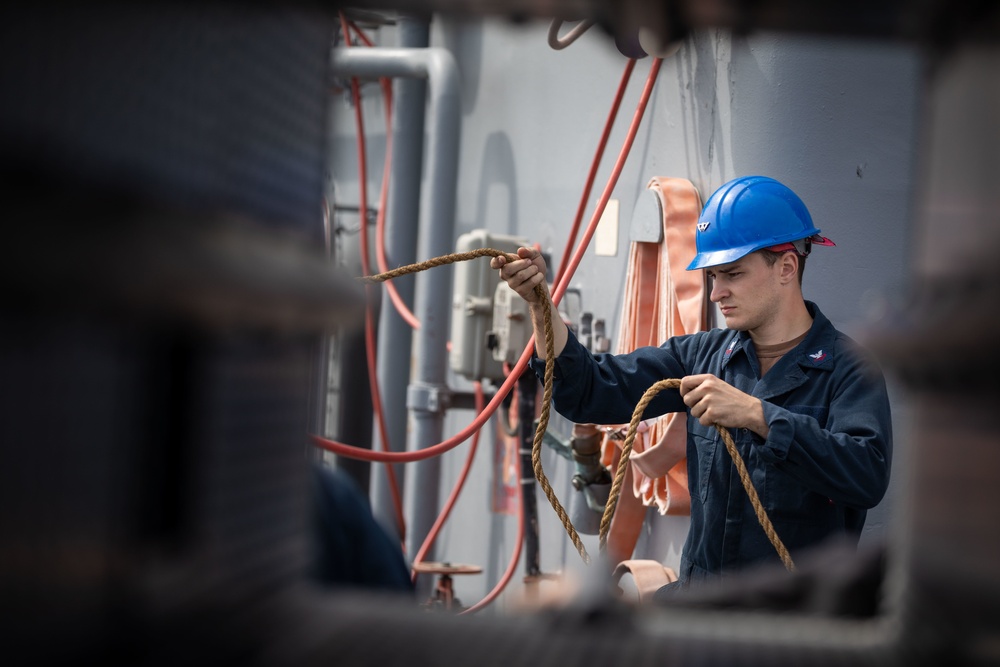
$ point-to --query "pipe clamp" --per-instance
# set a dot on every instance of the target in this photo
(427, 397)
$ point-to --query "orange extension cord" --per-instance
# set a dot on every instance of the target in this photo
(370, 344)
(560, 289)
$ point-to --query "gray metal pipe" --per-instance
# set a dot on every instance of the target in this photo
(427, 393)
(401, 225)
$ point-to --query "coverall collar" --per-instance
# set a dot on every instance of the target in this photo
(816, 351)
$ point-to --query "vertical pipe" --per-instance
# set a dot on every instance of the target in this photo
(527, 388)
(402, 223)
(352, 420)
(355, 399)
(427, 392)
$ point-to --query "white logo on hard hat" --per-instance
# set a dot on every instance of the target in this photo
(703, 225)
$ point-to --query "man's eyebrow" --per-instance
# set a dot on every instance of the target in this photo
(734, 267)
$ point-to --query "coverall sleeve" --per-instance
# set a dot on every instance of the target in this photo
(605, 388)
(848, 461)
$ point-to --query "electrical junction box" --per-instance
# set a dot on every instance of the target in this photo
(511, 325)
(472, 306)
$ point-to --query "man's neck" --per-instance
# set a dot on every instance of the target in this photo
(791, 324)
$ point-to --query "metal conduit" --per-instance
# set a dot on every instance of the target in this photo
(427, 393)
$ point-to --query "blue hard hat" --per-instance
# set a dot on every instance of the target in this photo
(747, 214)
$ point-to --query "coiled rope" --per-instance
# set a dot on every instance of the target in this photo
(543, 419)
(741, 468)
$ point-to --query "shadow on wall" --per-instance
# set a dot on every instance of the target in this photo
(496, 199)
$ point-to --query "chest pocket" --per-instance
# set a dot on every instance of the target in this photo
(706, 445)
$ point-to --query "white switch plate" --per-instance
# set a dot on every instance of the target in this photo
(606, 236)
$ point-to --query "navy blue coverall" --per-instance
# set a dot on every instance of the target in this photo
(824, 462)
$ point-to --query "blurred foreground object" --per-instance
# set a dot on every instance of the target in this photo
(157, 389)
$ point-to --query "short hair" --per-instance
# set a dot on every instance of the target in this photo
(770, 257)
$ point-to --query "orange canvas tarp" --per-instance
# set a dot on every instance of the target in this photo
(662, 299)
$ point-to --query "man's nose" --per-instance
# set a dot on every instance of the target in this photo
(717, 292)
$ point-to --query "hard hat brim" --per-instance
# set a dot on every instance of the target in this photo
(704, 260)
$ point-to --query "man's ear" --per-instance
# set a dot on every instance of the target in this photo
(788, 267)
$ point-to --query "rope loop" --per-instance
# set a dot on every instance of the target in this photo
(741, 468)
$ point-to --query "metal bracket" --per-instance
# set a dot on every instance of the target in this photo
(647, 218)
(427, 397)
(560, 447)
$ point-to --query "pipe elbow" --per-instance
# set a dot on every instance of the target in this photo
(442, 71)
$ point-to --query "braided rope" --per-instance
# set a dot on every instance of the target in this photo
(436, 261)
(543, 420)
(741, 468)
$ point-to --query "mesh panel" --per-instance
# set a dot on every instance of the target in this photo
(219, 106)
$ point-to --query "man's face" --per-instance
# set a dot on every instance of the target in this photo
(746, 291)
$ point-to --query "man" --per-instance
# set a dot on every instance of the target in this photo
(349, 548)
(807, 409)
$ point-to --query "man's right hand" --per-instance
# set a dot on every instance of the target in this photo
(524, 274)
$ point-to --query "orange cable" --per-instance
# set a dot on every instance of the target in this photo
(595, 163)
(380, 258)
(456, 490)
(370, 345)
(515, 556)
(640, 110)
(452, 442)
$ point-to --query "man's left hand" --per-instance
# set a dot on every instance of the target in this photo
(714, 401)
